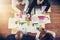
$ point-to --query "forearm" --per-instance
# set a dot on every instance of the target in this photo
(26, 6)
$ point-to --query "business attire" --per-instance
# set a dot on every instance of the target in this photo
(34, 3)
(2, 38)
(25, 37)
(47, 36)
(11, 37)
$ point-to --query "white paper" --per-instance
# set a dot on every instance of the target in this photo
(11, 23)
(13, 31)
(34, 19)
(22, 19)
(46, 19)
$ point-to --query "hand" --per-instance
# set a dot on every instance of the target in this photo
(43, 12)
(28, 17)
(40, 2)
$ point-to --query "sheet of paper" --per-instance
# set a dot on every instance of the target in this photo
(34, 19)
(23, 28)
(43, 18)
(47, 19)
(13, 30)
(36, 25)
(11, 23)
(28, 23)
(20, 16)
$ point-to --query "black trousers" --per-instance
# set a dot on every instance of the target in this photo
(34, 3)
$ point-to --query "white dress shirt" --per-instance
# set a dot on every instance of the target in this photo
(26, 2)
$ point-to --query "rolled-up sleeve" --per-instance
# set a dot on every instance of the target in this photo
(26, 5)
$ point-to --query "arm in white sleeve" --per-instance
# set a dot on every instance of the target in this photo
(53, 33)
(26, 5)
